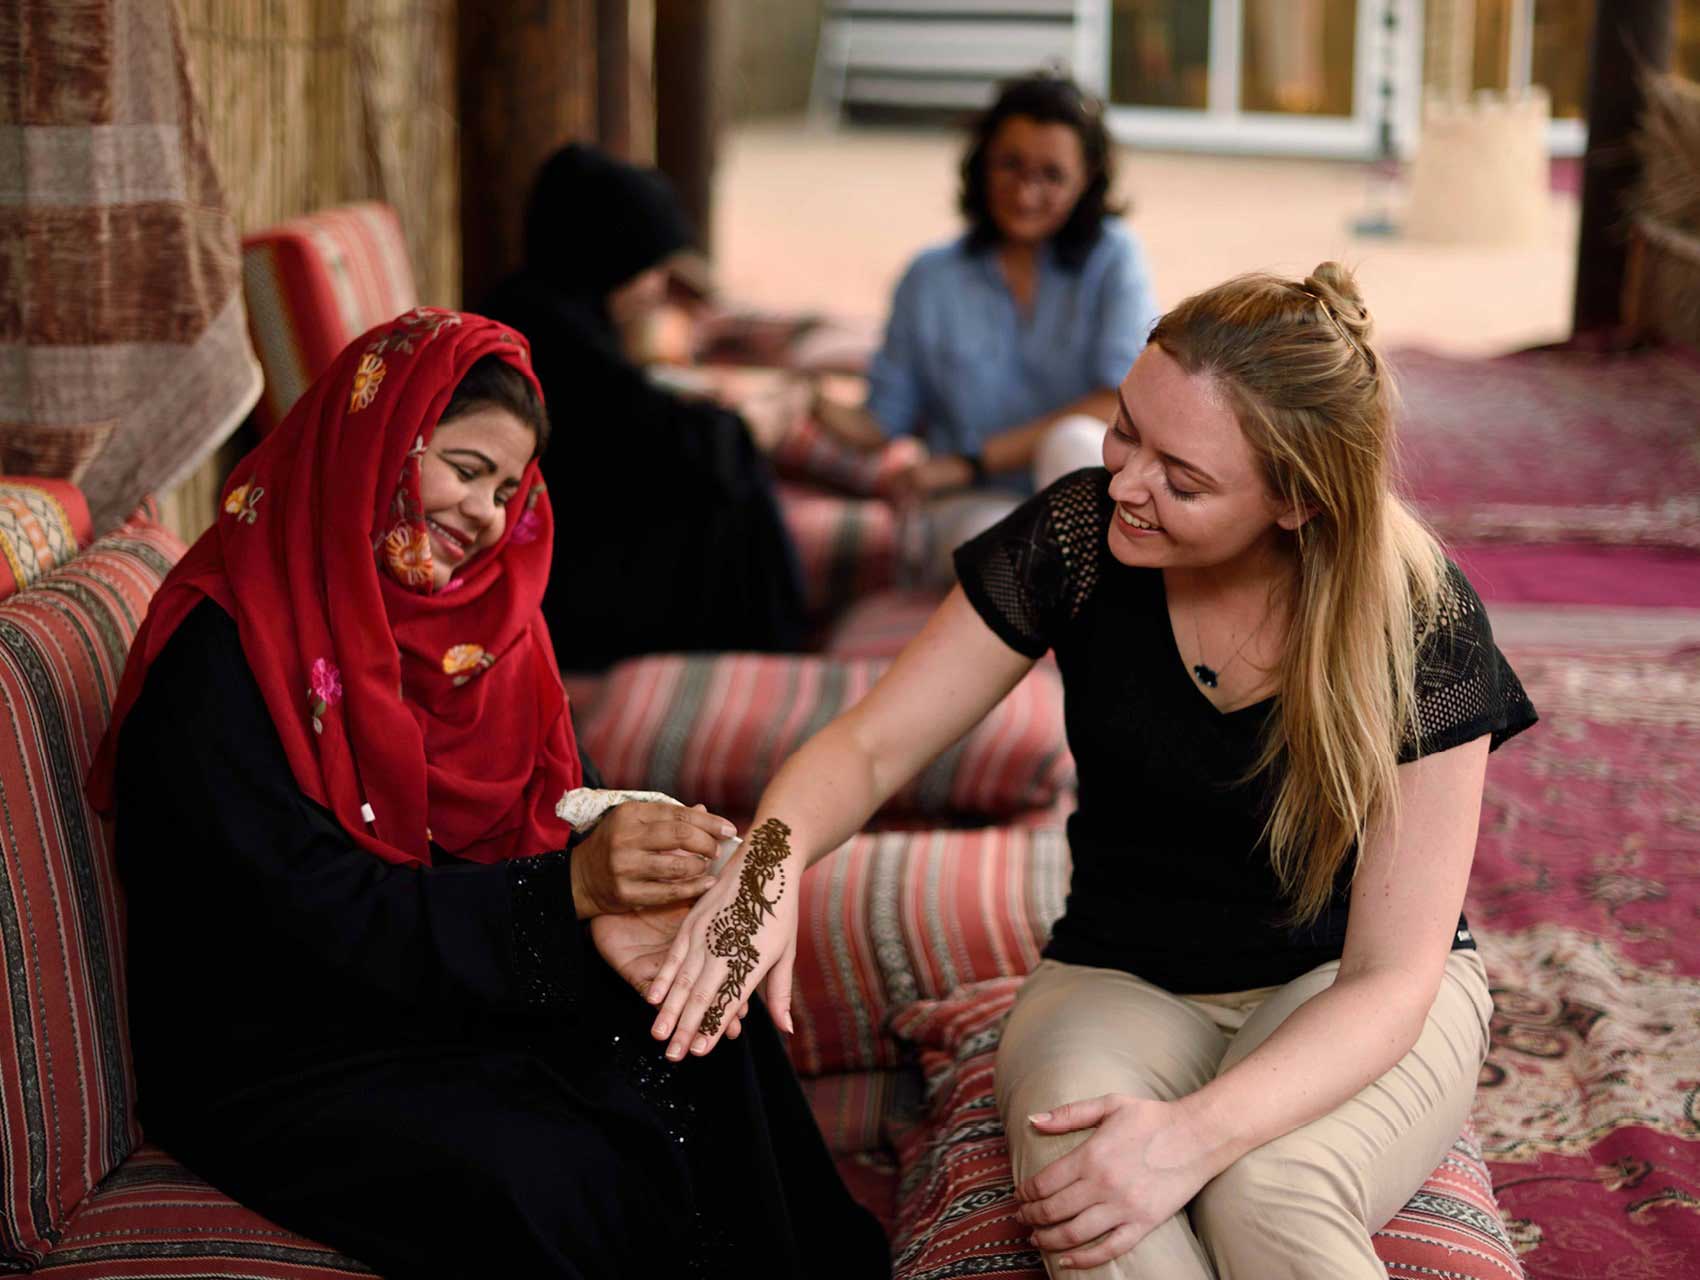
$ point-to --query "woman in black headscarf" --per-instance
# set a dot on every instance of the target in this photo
(663, 503)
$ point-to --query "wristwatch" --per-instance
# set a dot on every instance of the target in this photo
(977, 466)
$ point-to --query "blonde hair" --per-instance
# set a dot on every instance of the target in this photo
(1316, 404)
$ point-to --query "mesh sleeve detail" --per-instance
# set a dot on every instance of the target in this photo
(1465, 687)
(1032, 572)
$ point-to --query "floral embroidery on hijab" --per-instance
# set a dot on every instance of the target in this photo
(242, 501)
(529, 523)
(324, 691)
(419, 325)
(407, 555)
(464, 661)
(366, 380)
(406, 549)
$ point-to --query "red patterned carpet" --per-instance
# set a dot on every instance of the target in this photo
(1586, 898)
(1555, 445)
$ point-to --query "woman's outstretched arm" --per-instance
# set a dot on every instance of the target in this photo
(743, 931)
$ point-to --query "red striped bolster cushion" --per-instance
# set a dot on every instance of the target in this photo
(848, 547)
(714, 728)
(880, 625)
(956, 1203)
(315, 283)
(155, 1218)
(851, 1107)
(42, 523)
(806, 452)
(65, 1107)
(897, 917)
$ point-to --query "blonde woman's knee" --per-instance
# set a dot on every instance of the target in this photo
(1290, 1210)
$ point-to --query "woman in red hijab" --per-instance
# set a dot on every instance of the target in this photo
(378, 990)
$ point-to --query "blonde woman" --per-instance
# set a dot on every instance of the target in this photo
(1258, 1024)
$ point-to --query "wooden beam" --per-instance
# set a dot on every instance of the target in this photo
(689, 56)
(1629, 36)
(527, 85)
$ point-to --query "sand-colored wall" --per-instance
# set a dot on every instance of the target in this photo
(772, 56)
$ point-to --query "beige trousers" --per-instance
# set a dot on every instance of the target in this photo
(1072, 443)
(1301, 1207)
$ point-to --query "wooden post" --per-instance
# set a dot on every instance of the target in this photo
(688, 60)
(614, 77)
(527, 85)
(1629, 36)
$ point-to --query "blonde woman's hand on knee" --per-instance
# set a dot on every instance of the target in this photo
(1141, 1165)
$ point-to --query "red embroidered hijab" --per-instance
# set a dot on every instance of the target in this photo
(411, 714)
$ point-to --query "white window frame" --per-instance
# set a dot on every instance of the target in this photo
(1222, 126)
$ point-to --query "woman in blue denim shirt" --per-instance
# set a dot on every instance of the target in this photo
(1005, 345)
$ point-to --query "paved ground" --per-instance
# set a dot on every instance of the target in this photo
(826, 219)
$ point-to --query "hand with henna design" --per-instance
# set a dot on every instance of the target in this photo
(740, 934)
(635, 945)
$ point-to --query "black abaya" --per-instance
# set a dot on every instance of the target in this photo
(668, 532)
(429, 1069)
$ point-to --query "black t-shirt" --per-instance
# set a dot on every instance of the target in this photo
(1171, 874)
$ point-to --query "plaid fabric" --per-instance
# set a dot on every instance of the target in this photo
(956, 1201)
(903, 916)
(126, 361)
(848, 547)
(713, 728)
(42, 523)
(152, 1217)
(808, 453)
(65, 1106)
(313, 285)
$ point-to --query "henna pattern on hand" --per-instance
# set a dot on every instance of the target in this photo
(731, 934)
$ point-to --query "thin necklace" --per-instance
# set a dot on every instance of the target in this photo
(1209, 676)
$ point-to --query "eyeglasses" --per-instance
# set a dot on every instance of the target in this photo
(1047, 177)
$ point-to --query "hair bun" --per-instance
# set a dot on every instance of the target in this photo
(1338, 288)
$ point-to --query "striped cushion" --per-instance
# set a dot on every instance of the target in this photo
(42, 523)
(956, 1200)
(853, 1107)
(154, 1218)
(902, 916)
(848, 547)
(314, 284)
(65, 1107)
(714, 728)
(880, 625)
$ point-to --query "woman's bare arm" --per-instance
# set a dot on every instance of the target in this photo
(942, 684)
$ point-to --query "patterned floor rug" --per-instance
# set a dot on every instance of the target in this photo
(1554, 446)
(1586, 898)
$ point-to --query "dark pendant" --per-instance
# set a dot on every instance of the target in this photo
(1206, 675)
